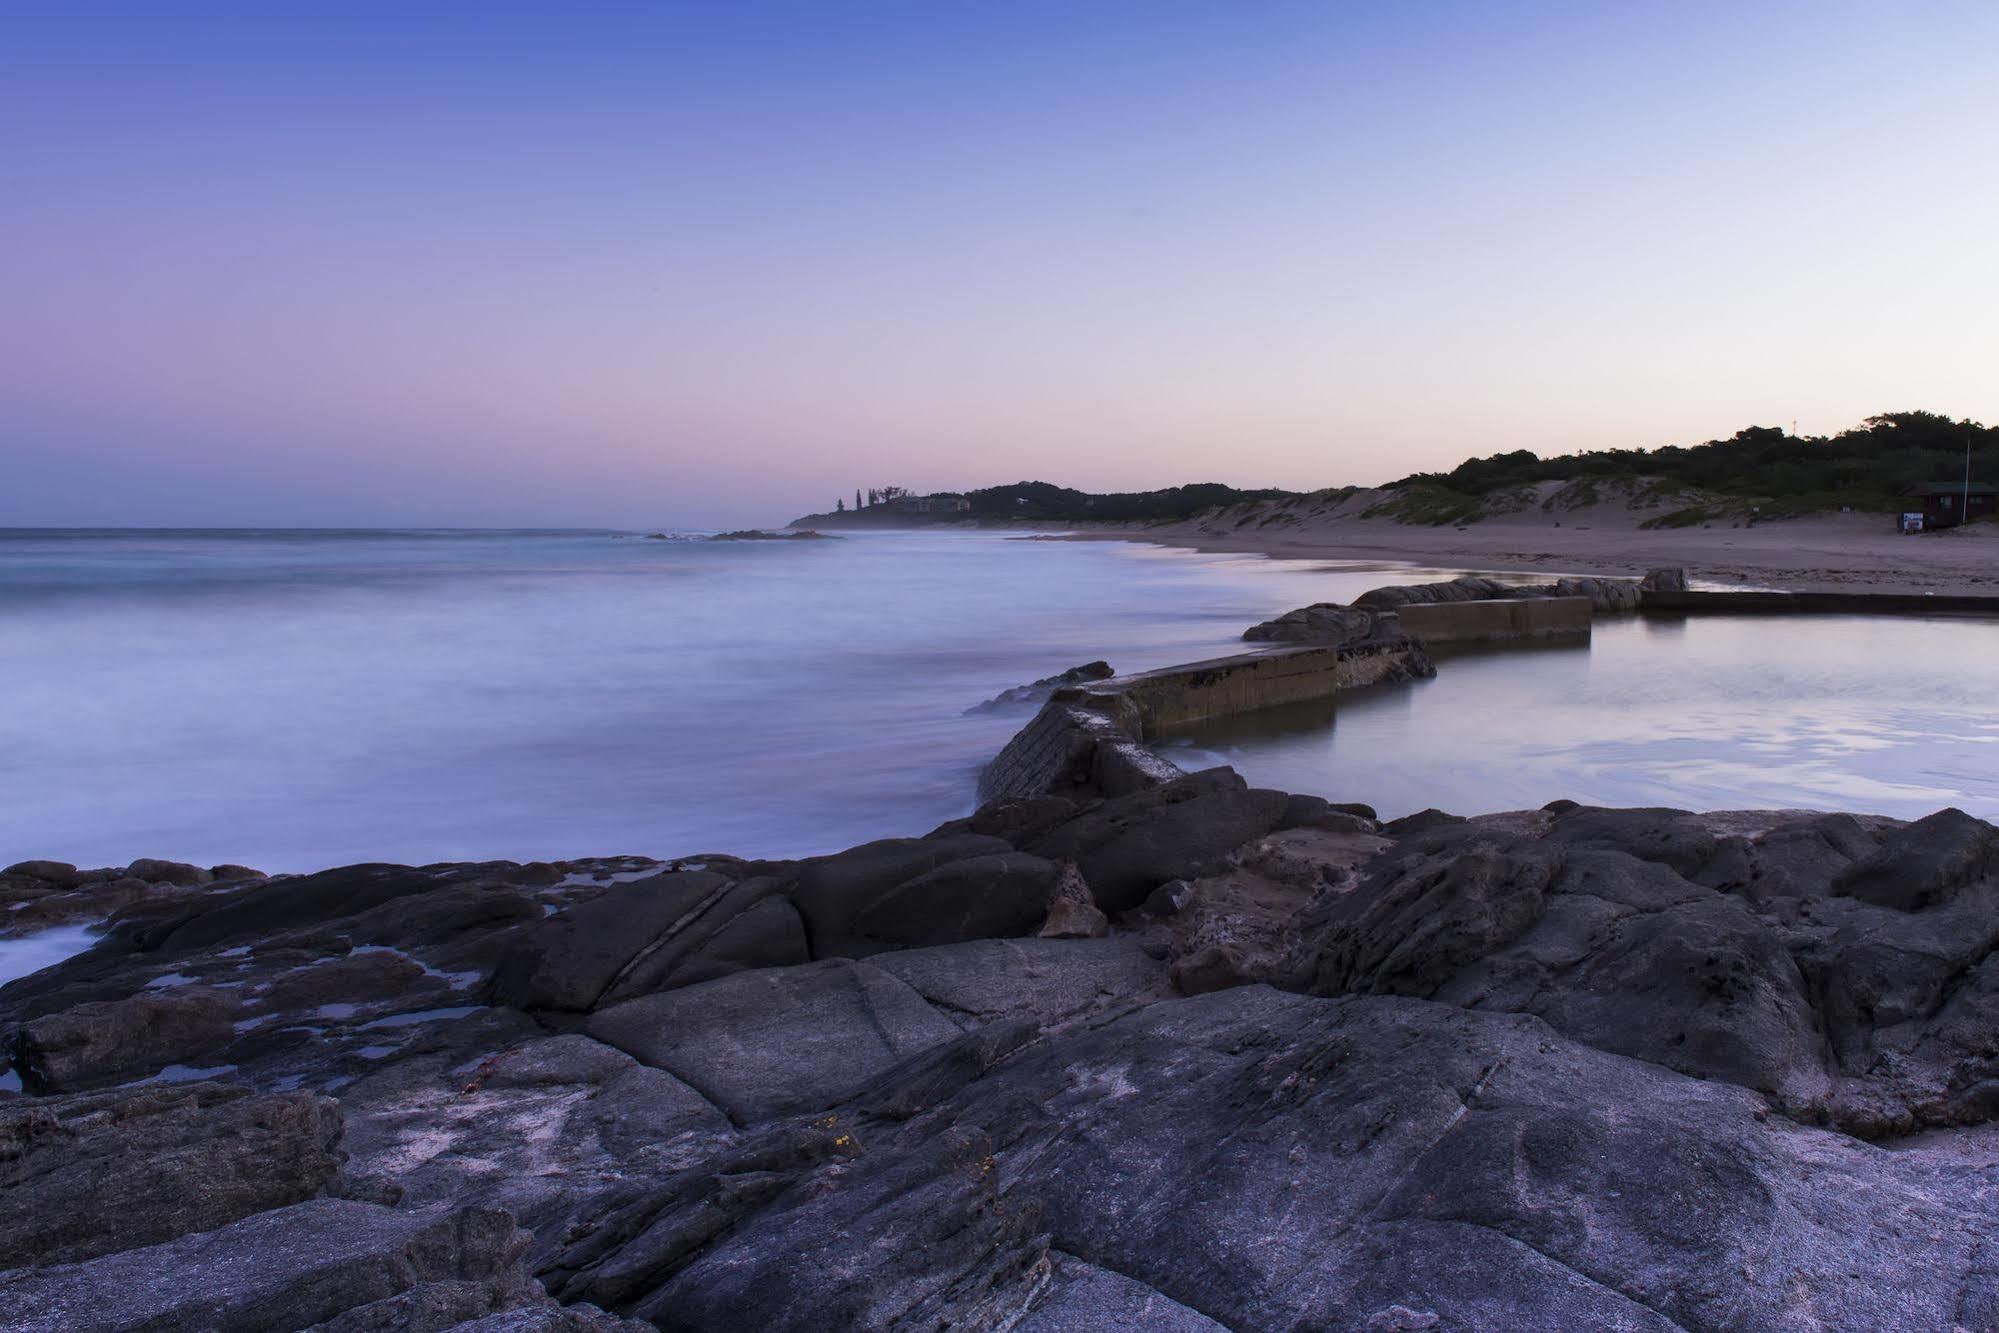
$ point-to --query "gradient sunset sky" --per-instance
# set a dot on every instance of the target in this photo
(714, 264)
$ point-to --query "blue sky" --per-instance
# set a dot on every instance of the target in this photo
(685, 264)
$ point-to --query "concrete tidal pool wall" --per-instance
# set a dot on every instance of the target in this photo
(1224, 686)
(1441, 623)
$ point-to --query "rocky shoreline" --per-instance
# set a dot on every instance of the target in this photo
(1194, 1055)
(1199, 1056)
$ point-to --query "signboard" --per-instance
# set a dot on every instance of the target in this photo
(1912, 522)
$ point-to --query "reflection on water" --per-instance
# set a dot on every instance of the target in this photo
(1890, 716)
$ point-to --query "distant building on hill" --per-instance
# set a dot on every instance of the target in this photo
(944, 502)
(1945, 504)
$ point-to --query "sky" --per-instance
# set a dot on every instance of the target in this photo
(713, 264)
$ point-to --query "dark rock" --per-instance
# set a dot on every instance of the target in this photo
(331, 1264)
(535, 1129)
(93, 1173)
(1420, 822)
(1327, 622)
(1605, 595)
(1047, 981)
(1019, 821)
(229, 872)
(54, 872)
(834, 890)
(167, 872)
(93, 1044)
(569, 960)
(1038, 691)
(780, 1040)
(271, 907)
(1926, 862)
(1303, 1164)
(1317, 813)
(1674, 838)
(552, 1318)
(980, 897)
(1181, 830)
(751, 926)
(1083, 1296)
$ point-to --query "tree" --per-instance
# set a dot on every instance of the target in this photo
(839, 506)
(857, 497)
(890, 494)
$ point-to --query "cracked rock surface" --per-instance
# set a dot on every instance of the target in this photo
(1567, 1068)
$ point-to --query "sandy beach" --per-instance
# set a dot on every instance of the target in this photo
(1824, 553)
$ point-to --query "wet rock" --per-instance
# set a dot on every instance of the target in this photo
(326, 1263)
(1326, 622)
(1020, 696)
(167, 872)
(93, 1044)
(94, 1173)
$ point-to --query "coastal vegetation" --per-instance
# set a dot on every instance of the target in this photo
(1865, 467)
(1760, 472)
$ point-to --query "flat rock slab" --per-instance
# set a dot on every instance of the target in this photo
(368, 1266)
(780, 1040)
(94, 1173)
(1046, 981)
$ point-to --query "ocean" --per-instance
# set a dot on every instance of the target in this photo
(298, 699)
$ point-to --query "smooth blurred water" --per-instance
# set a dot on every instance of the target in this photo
(299, 699)
(1896, 716)
(294, 700)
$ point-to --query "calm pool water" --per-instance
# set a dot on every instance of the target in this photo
(1891, 716)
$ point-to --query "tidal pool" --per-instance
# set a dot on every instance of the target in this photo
(1887, 715)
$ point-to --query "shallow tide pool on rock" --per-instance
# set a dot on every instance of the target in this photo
(1883, 715)
(46, 948)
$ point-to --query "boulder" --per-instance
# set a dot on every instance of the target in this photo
(109, 1041)
(1072, 913)
(980, 897)
(1925, 863)
(1183, 829)
(569, 960)
(1664, 580)
(1326, 622)
(54, 872)
(167, 872)
(94, 1173)
(231, 871)
(833, 891)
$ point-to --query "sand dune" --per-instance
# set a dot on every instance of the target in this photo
(1826, 552)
